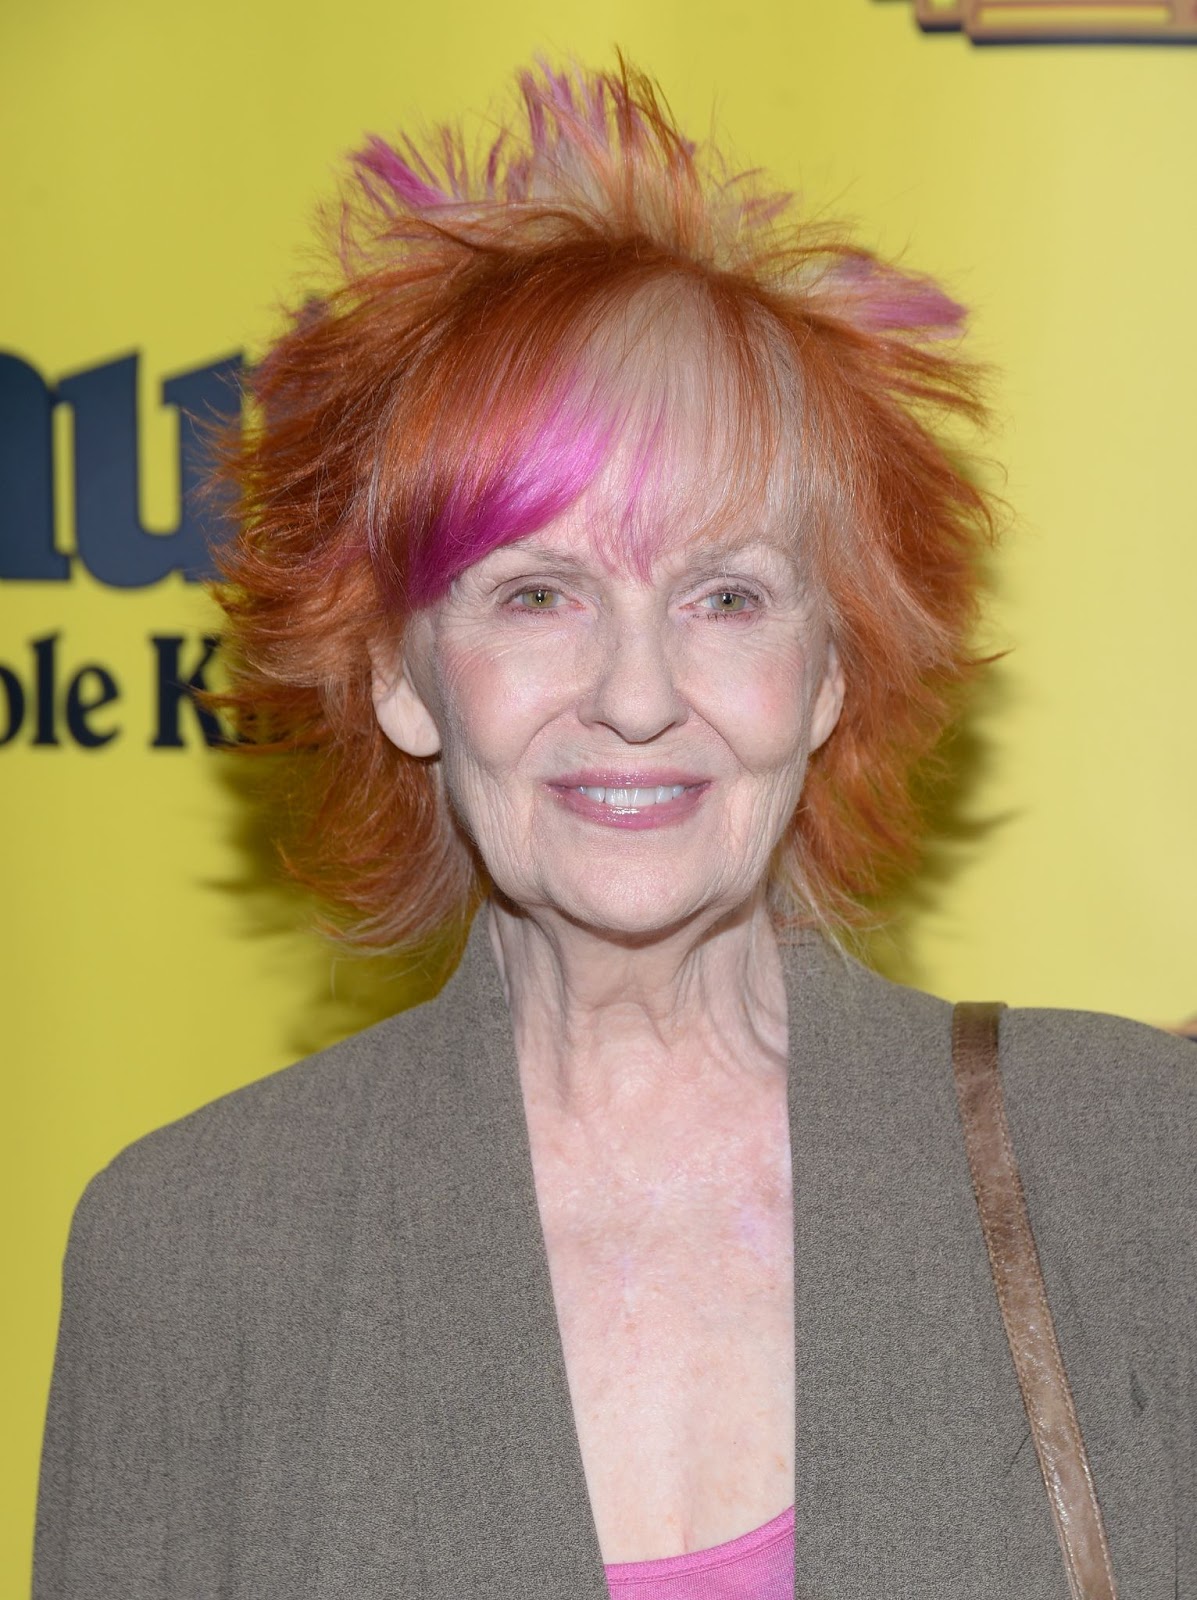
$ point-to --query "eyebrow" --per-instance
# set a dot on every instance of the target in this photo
(720, 551)
(534, 555)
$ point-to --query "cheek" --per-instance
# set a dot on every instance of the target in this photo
(760, 704)
(492, 700)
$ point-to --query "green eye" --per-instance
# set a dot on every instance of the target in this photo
(727, 601)
(537, 599)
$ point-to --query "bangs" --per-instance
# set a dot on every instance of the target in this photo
(663, 417)
(708, 446)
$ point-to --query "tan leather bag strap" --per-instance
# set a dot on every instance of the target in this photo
(1022, 1296)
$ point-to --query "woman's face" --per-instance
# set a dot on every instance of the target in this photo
(624, 749)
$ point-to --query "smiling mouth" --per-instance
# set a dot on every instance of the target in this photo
(630, 805)
(632, 799)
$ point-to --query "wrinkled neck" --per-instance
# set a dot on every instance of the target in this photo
(602, 1022)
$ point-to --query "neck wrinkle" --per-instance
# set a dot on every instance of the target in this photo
(598, 1024)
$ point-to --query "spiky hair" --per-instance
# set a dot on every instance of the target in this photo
(460, 385)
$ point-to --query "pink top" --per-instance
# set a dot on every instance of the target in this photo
(756, 1566)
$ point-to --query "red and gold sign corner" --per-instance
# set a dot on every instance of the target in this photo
(1057, 21)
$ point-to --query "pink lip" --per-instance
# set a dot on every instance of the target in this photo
(667, 814)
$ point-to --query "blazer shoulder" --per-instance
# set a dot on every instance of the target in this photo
(296, 1130)
(1101, 1057)
(1109, 1101)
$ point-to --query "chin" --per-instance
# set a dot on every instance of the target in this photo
(638, 904)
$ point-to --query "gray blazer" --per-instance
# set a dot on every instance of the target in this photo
(308, 1344)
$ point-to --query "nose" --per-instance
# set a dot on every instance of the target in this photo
(631, 687)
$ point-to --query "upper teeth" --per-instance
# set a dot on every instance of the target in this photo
(633, 797)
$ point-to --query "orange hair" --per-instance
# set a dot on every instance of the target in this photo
(432, 406)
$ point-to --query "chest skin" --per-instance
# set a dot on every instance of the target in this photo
(671, 1261)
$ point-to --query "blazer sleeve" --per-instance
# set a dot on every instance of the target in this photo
(101, 1519)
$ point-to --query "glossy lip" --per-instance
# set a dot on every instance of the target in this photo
(669, 813)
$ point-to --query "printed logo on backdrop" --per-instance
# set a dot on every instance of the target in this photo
(1062, 21)
(48, 699)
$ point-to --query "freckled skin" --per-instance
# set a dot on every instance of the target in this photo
(645, 984)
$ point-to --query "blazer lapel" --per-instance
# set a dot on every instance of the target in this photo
(913, 1477)
(453, 1466)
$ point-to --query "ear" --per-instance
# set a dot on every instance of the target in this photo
(829, 701)
(402, 714)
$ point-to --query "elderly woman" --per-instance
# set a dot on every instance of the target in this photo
(602, 569)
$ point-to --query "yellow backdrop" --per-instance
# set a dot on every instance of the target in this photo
(161, 164)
